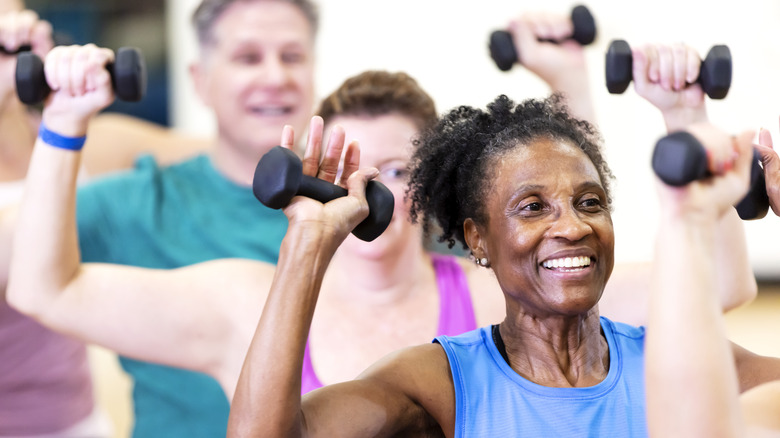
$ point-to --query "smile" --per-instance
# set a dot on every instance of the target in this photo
(271, 111)
(567, 263)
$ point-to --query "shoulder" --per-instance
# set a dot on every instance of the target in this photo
(421, 374)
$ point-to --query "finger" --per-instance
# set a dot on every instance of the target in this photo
(665, 65)
(653, 70)
(97, 76)
(356, 184)
(694, 66)
(562, 27)
(288, 137)
(24, 24)
(524, 38)
(311, 157)
(351, 162)
(50, 66)
(41, 38)
(79, 69)
(329, 167)
(640, 66)
(679, 66)
(765, 138)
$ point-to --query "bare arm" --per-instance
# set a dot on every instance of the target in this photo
(189, 317)
(661, 74)
(268, 396)
(687, 354)
(561, 66)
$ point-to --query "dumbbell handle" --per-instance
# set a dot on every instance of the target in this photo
(20, 49)
(274, 186)
(679, 158)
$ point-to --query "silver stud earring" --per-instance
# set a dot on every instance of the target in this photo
(482, 262)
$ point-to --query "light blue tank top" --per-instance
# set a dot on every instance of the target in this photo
(492, 400)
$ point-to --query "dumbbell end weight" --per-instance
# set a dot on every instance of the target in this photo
(128, 74)
(619, 67)
(755, 204)
(584, 25)
(502, 50)
(715, 75)
(31, 85)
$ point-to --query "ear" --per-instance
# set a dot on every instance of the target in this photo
(199, 78)
(474, 238)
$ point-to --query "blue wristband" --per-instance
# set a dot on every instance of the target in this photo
(60, 141)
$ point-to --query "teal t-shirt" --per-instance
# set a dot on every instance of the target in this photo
(168, 217)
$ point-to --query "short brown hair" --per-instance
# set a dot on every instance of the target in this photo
(377, 93)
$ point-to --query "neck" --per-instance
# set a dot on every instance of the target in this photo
(235, 163)
(384, 280)
(557, 351)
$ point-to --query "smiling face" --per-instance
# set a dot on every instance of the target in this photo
(257, 73)
(549, 235)
(385, 143)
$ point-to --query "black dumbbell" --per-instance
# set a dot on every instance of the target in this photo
(714, 75)
(679, 158)
(20, 49)
(502, 47)
(279, 177)
(128, 76)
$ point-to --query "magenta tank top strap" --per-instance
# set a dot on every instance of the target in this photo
(456, 311)
(309, 380)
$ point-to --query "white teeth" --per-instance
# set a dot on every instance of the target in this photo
(567, 262)
(268, 111)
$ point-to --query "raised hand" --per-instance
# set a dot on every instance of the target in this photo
(339, 165)
(18, 29)
(81, 87)
(665, 76)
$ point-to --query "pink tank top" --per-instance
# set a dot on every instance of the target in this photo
(45, 381)
(456, 312)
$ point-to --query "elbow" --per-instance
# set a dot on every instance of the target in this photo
(20, 301)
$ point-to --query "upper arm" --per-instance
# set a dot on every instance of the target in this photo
(754, 369)
(407, 393)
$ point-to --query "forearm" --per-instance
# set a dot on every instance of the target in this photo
(688, 357)
(677, 118)
(736, 280)
(45, 247)
(576, 88)
(267, 401)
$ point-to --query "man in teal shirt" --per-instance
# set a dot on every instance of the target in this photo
(256, 71)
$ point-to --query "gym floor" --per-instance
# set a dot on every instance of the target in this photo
(754, 326)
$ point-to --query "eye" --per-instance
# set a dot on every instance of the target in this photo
(393, 174)
(591, 203)
(248, 58)
(532, 206)
(291, 57)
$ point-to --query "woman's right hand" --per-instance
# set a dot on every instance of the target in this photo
(337, 218)
(81, 87)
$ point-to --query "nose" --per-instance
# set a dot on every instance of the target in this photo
(570, 225)
(274, 71)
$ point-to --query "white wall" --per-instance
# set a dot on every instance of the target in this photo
(443, 43)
